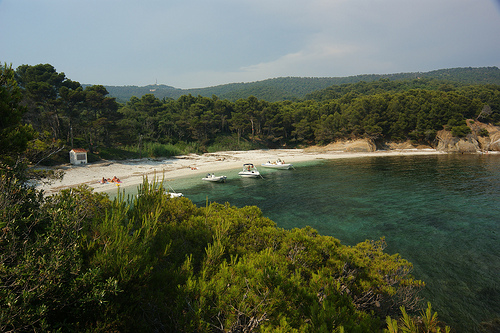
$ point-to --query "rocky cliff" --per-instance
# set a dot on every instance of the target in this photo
(360, 145)
(483, 137)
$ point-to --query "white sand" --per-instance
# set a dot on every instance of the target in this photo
(131, 172)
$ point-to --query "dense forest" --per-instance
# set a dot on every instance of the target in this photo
(296, 88)
(63, 113)
(78, 261)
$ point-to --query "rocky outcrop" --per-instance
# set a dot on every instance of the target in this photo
(360, 145)
(494, 145)
(403, 145)
(483, 137)
(364, 145)
(490, 142)
(449, 143)
(399, 145)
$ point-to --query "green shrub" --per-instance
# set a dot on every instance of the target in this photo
(460, 131)
(427, 322)
(484, 133)
(189, 148)
(230, 143)
(163, 150)
(78, 261)
(111, 154)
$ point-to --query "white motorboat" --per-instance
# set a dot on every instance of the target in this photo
(278, 164)
(171, 194)
(213, 178)
(249, 171)
(174, 194)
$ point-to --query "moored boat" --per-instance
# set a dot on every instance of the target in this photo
(170, 193)
(249, 171)
(174, 194)
(213, 178)
(278, 164)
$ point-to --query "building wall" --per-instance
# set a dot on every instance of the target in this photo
(77, 158)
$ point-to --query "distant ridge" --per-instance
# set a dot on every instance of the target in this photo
(293, 88)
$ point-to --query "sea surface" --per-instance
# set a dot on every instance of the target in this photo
(440, 212)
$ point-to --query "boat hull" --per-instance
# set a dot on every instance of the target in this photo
(249, 171)
(285, 166)
(249, 174)
(219, 179)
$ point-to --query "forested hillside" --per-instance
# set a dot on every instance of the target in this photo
(64, 114)
(294, 88)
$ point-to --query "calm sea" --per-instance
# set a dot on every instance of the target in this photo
(440, 212)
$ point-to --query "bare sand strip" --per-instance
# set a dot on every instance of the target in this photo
(131, 172)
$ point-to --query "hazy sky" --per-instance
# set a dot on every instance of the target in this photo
(201, 43)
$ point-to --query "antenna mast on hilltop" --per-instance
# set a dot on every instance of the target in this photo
(154, 89)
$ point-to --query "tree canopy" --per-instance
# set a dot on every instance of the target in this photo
(14, 135)
(297, 88)
(63, 113)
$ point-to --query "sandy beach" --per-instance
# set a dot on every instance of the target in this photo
(131, 172)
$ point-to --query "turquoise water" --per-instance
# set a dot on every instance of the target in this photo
(440, 212)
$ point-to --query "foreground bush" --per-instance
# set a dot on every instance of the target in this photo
(80, 262)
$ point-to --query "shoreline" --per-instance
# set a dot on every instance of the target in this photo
(131, 172)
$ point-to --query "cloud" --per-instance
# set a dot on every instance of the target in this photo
(195, 43)
(314, 61)
(310, 61)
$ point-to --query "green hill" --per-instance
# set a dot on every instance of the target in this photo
(291, 88)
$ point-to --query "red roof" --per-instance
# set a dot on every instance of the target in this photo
(78, 150)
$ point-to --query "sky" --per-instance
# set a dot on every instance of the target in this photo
(202, 43)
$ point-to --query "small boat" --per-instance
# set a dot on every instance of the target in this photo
(171, 194)
(174, 194)
(278, 164)
(213, 178)
(249, 171)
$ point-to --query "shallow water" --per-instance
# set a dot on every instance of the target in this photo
(440, 212)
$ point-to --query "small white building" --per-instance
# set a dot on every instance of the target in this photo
(78, 156)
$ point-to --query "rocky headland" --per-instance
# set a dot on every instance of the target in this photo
(481, 139)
